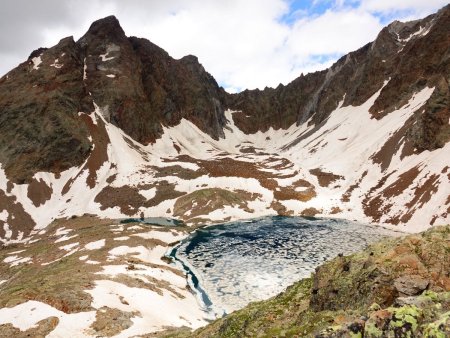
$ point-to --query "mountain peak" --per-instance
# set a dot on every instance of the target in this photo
(106, 27)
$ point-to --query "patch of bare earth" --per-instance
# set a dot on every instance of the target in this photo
(178, 171)
(422, 195)
(311, 212)
(384, 156)
(325, 178)
(300, 190)
(98, 155)
(41, 329)
(129, 200)
(18, 220)
(335, 210)
(204, 201)
(379, 205)
(280, 209)
(39, 192)
(110, 322)
(348, 193)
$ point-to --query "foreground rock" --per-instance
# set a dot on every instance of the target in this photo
(362, 295)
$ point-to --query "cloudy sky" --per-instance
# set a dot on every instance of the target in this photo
(242, 43)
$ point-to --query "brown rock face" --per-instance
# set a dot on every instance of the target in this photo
(39, 125)
(140, 88)
(135, 84)
(410, 285)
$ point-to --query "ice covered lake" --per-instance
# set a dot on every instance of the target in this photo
(236, 263)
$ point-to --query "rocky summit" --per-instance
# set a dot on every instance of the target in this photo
(111, 128)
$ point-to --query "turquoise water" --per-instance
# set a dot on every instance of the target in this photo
(161, 221)
(233, 264)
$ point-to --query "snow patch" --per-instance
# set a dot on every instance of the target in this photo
(164, 310)
(69, 247)
(92, 262)
(84, 69)
(26, 315)
(164, 236)
(95, 245)
(15, 260)
(36, 62)
(4, 215)
(56, 64)
(105, 58)
(122, 238)
(65, 238)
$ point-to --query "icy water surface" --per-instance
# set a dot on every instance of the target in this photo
(236, 263)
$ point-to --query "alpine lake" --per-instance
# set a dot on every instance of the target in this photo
(230, 265)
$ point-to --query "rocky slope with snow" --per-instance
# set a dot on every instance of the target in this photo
(115, 127)
(87, 277)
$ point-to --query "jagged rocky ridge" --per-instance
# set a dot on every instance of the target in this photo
(112, 125)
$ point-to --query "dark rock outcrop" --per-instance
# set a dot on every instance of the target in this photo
(39, 104)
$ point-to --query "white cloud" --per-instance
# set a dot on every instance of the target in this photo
(242, 43)
(245, 44)
(419, 6)
(334, 32)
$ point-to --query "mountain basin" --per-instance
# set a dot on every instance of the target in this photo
(230, 265)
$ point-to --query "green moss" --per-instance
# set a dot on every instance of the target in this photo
(374, 307)
(405, 316)
(371, 331)
(356, 335)
(430, 295)
(439, 328)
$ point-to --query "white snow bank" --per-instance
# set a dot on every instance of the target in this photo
(95, 245)
(36, 62)
(26, 315)
(155, 311)
(148, 255)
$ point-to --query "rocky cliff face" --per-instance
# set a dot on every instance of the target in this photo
(112, 125)
(136, 85)
(144, 88)
(39, 105)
